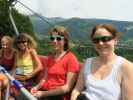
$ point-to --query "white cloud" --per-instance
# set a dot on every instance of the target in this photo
(112, 9)
(32, 4)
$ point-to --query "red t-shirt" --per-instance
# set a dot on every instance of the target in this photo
(57, 71)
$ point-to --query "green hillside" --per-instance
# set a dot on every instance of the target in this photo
(79, 31)
(79, 28)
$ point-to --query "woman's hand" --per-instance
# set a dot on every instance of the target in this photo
(74, 95)
(34, 90)
(38, 94)
(37, 87)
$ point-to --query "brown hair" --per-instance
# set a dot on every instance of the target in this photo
(25, 37)
(109, 27)
(61, 30)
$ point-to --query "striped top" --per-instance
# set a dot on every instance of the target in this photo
(25, 65)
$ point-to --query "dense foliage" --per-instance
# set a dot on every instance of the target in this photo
(84, 51)
(22, 22)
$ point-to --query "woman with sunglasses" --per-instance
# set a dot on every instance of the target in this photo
(7, 60)
(107, 76)
(62, 68)
(28, 64)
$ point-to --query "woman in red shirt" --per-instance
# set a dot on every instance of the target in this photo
(62, 69)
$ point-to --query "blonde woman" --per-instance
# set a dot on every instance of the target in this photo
(7, 60)
(28, 64)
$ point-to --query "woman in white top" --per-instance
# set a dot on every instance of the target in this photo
(107, 76)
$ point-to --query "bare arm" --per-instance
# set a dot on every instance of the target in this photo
(127, 81)
(79, 86)
(71, 78)
(37, 62)
(13, 71)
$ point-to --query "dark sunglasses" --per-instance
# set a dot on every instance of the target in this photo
(58, 38)
(21, 42)
(102, 39)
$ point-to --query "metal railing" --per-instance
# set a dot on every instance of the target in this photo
(121, 49)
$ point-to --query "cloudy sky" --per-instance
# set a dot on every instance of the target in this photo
(110, 9)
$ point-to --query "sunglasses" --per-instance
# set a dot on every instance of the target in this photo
(57, 38)
(102, 39)
(21, 42)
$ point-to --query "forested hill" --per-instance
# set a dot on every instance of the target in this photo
(79, 28)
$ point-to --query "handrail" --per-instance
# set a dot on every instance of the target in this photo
(18, 85)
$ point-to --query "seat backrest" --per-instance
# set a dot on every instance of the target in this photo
(41, 74)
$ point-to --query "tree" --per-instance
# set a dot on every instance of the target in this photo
(22, 21)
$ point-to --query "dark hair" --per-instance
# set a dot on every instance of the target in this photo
(109, 27)
(61, 30)
(25, 37)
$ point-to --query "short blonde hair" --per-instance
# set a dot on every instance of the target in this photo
(10, 39)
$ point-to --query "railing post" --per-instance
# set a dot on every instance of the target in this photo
(12, 21)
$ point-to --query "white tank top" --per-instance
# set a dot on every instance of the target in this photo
(105, 89)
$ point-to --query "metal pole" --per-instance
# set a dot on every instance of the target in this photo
(41, 17)
(18, 85)
(12, 21)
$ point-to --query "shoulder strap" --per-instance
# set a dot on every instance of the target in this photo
(31, 53)
(87, 66)
(118, 63)
(117, 67)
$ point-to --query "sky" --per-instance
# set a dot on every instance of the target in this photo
(105, 9)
